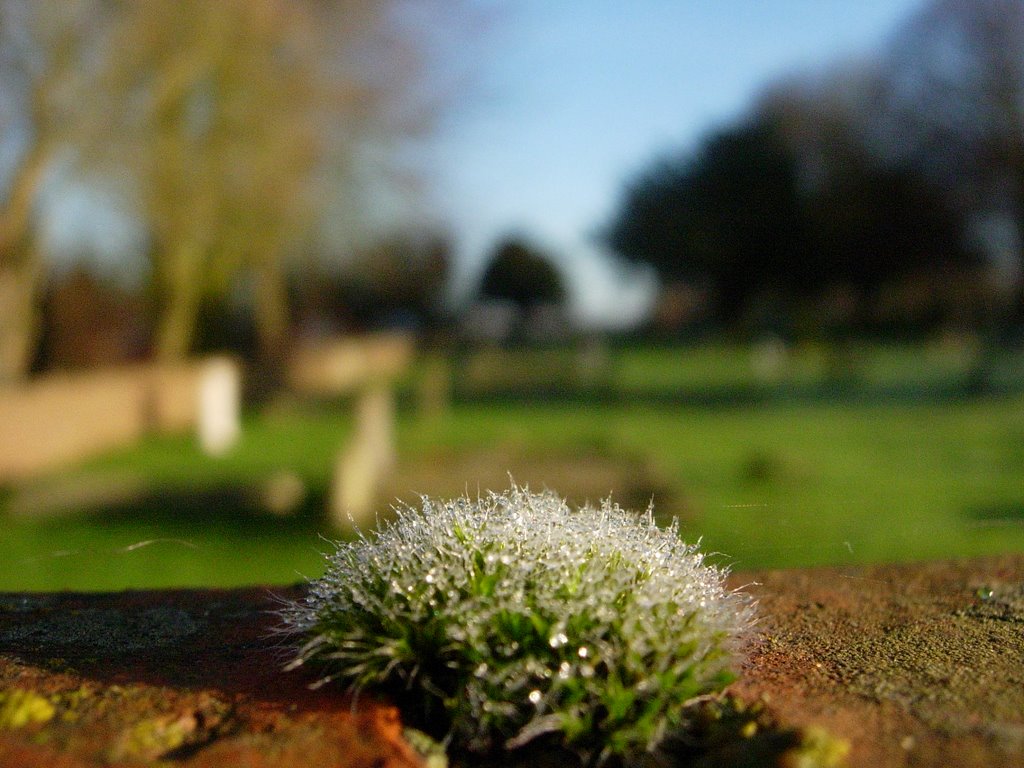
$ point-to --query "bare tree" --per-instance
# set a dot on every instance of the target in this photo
(954, 108)
(221, 110)
(44, 45)
(238, 126)
(238, 120)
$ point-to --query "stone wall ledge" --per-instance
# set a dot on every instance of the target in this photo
(917, 664)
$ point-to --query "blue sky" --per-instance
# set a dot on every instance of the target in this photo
(572, 97)
(567, 100)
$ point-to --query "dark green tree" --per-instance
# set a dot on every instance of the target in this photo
(523, 274)
(730, 217)
(774, 214)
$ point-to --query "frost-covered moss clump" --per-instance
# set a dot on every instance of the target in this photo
(514, 616)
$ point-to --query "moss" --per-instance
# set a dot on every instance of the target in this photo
(154, 737)
(503, 620)
(19, 708)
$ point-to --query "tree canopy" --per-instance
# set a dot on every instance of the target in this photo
(521, 273)
(866, 177)
(730, 216)
(237, 129)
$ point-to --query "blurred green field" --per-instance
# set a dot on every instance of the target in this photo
(783, 482)
(729, 366)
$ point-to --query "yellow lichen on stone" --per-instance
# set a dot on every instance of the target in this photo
(71, 701)
(154, 737)
(817, 749)
(19, 708)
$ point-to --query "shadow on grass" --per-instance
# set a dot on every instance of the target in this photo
(997, 515)
(743, 395)
(278, 502)
(243, 507)
(163, 537)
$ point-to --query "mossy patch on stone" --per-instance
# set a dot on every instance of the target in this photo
(432, 752)
(727, 731)
(19, 708)
(999, 601)
(818, 749)
(172, 734)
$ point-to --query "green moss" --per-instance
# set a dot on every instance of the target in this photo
(511, 618)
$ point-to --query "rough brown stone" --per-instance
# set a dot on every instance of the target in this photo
(914, 665)
(918, 665)
(188, 676)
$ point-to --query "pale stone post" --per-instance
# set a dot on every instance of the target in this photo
(366, 460)
(220, 385)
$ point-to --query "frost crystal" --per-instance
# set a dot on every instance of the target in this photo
(515, 617)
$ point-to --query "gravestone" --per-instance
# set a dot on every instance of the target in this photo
(219, 417)
(366, 460)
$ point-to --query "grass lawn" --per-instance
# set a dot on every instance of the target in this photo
(186, 535)
(736, 366)
(770, 485)
(804, 484)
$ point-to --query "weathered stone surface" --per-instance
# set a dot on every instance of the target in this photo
(192, 677)
(917, 665)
